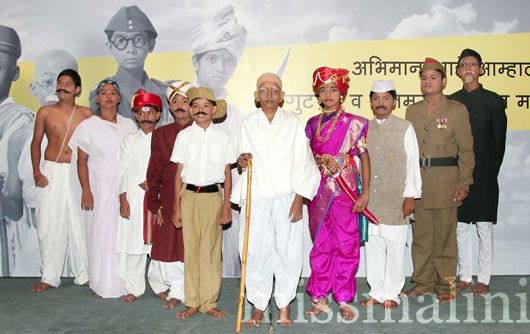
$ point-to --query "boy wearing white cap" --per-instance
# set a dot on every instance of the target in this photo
(395, 183)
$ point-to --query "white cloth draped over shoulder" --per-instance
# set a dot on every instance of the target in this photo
(100, 139)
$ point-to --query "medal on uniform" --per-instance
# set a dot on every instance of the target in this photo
(441, 123)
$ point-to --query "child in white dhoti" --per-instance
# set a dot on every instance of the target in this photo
(133, 159)
(59, 222)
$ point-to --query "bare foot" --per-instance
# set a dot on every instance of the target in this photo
(216, 313)
(40, 287)
(129, 298)
(445, 297)
(480, 289)
(97, 296)
(346, 312)
(161, 295)
(414, 292)
(87, 283)
(256, 319)
(284, 318)
(171, 303)
(389, 305)
(368, 302)
(321, 305)
(188, 312)
(463, 285)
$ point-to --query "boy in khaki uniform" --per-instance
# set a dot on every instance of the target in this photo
(446, 160)
(203, 155)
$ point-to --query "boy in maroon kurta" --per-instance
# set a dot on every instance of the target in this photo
(166, 270)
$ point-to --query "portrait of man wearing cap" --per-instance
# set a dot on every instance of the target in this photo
(130, 38)
(446, 160)
(17, 189)
(203, 153)
(217, 45)
(166, 268)
(97, 139)
(395, 183)
(488, 120)
(133, 158)
(47, 66)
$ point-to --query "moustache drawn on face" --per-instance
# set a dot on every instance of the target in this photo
(200, 113)
(180, 110)
(62, 90)
(146, 122)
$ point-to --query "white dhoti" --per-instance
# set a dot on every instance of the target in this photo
(132, 271)
(59, 225)
(385, 261)
(167, 275)
(275, 250)
(465, 251)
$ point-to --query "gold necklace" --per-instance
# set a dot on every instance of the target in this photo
(331, 128)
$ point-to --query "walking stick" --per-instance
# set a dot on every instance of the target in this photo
(245, 249)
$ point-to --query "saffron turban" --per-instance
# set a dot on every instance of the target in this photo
(324, 75)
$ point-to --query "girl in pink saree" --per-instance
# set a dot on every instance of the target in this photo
(336, 137)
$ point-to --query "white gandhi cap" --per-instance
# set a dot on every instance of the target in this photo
(381, 86)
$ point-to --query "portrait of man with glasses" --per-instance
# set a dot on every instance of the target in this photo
(130, 38)
(47, 66)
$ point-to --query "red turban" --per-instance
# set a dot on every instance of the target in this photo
(143, 98)
(324, 75)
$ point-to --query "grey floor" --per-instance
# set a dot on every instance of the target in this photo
(74, 309)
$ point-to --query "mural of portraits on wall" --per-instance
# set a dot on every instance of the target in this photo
(18, 233)
(47, 66)
(130, 38)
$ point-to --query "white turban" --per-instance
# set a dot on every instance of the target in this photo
(221, 32)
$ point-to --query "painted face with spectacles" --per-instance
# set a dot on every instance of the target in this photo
(469, 69)
(269, 95)
(130, 49)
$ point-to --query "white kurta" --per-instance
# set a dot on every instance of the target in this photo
(100, 139)
(282, 159)
(134, 154)
(133, 159)
(282, 166)
(385, 249)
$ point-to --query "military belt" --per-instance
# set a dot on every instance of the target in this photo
(438, 162)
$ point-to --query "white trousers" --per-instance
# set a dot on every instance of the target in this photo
(132, 271)
(167, 275)
(59, 226)
(230, 248)
(465, 251)
(275, 250)
(385, 268)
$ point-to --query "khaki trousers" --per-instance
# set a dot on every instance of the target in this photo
(202, 248)
(434, 249)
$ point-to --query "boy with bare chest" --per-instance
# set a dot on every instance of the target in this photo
(58, 221)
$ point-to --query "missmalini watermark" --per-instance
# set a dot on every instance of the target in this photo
(498, 307)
